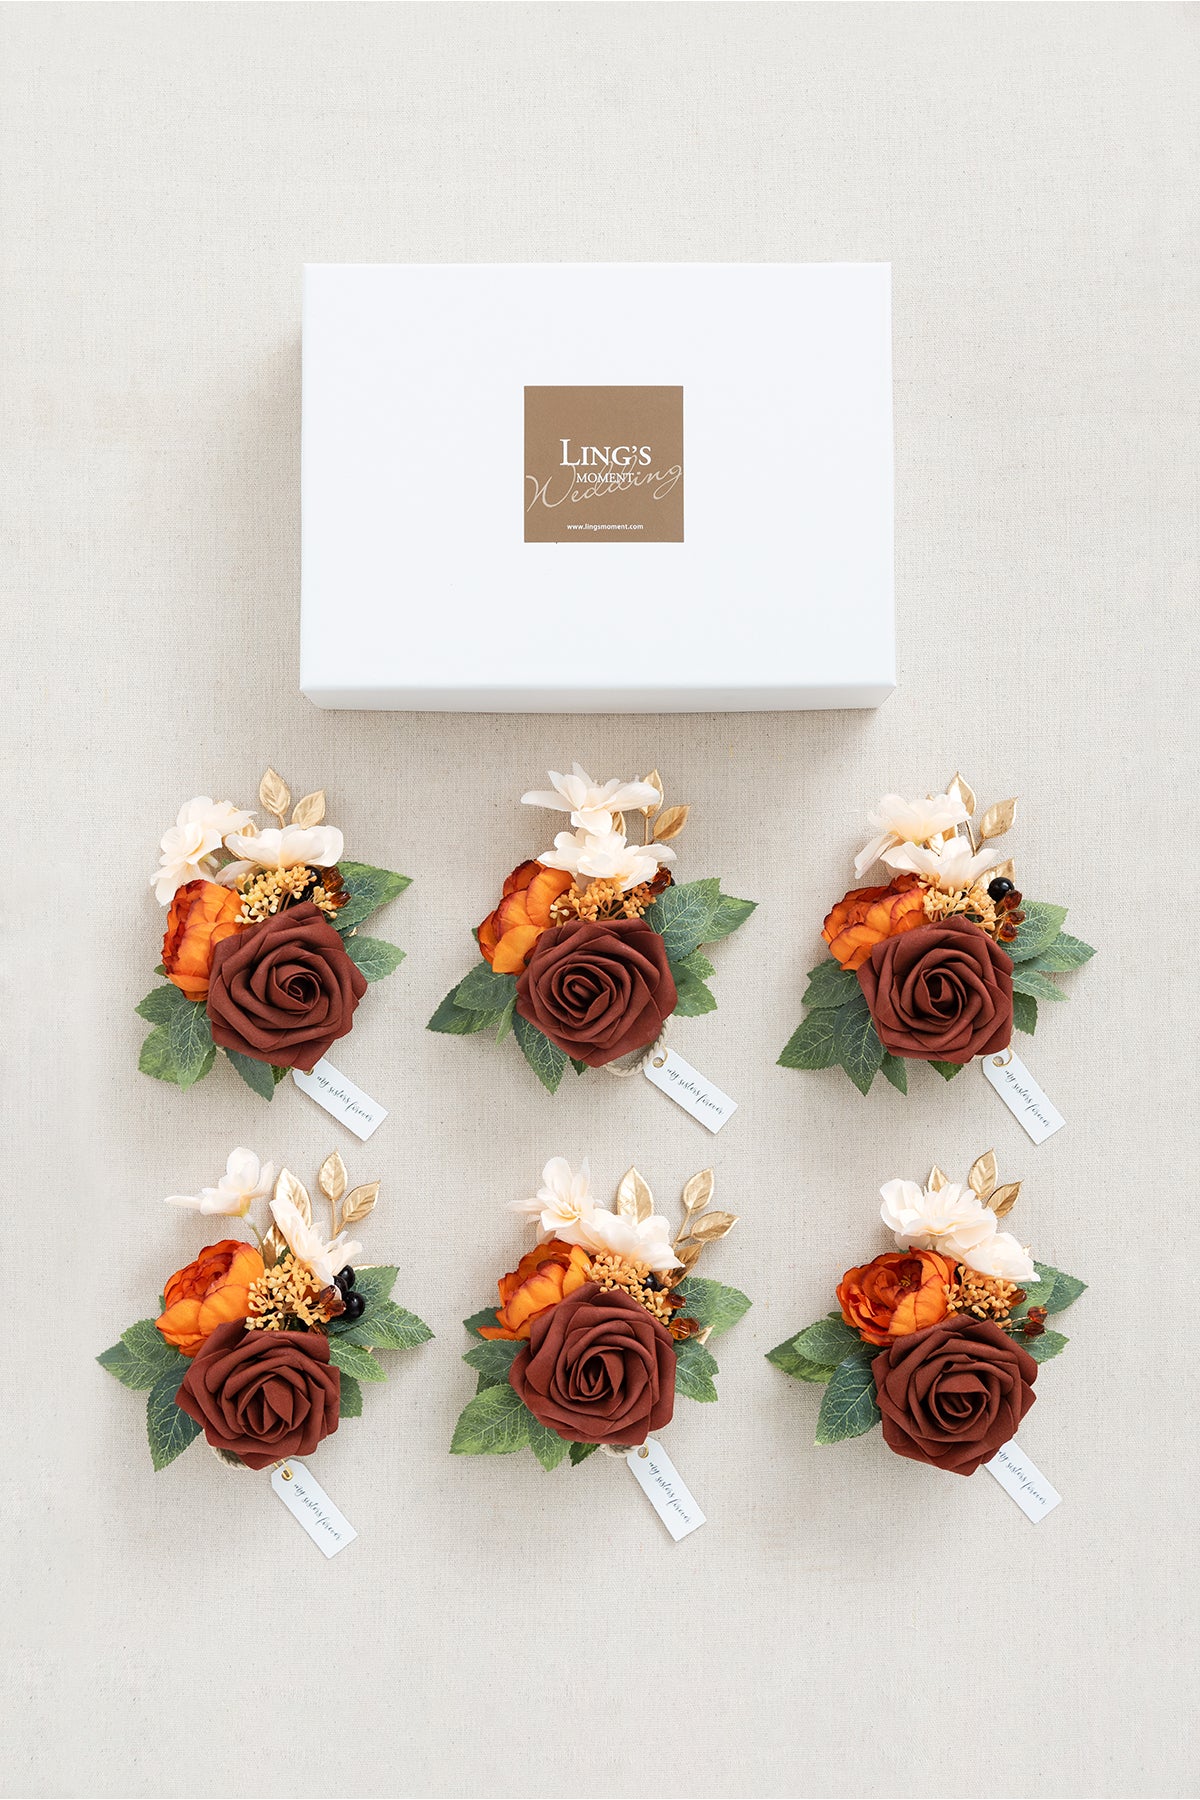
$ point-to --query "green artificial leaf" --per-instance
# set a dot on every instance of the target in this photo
(507, 1018)
(486, 1317)
(715, 1306)
(1067, 1288)
(257, 1075)
(169, 1429)
(160, 1003)
(683, 914)
(693, 996)
(159, 970)
(485, 991)
(370, 889)
(547, 1446)
(948, 1070)
(1028, 980)
(495, 1423)
(142, 1356)
(811, 1045)
(1024, 1012)
(374, 1283)
(352, 1359)
(1063, 953)
(895, 1069)
(856, 1042)
(277, 1074)
(830, 985)
(460, 1021)
(580, 1068)
(827, 1342)
(385, 1326)
(349, 1398)
(373, 957)
(1037, 1293)
(786, 1357)
(546, 1060)
(698, 964)
(849, 1407)
(493, 1359)
(1050, 1343)
(694, 1370)
(729, 914)
(1037, 930)
(192, 1045)
(157, 1058)
(579, 1452)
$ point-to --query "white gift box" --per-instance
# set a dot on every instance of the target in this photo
(597, 487)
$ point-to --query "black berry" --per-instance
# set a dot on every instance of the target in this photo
(354, 1306)
(345, 1278)
(998, 889)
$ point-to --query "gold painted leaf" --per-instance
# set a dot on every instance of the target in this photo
(274, 794)
(982, 1178)
(698, 1192)
(1005, 868)
(618, 822)
(937, 1179)
(634, 1199)
(273, 1246)
(670, 823)
(1004, 1198)
(310, 810)
(331, 1178)
(654, 780)
(288, 1188)
(997, 819)
(712, 1226)
(359, 1202)
(961, 789)
(688, 1253)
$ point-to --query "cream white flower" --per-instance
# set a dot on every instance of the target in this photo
(647, 1240)
(606, 856)
(308, 1246)
(245, 1180)
(1003, 1256)
(590, 803)
(188, 849)
(319, 846)
(900, 821)
(563, 1202)
(951, 1219)
(955, 865)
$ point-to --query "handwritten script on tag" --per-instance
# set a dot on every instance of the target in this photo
(356, 1110)
(1022, 1482)
(308, 1502)
(660, 1481)
(689, 1089)
(1031, 1108)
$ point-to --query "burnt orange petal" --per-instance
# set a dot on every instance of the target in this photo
(180, 1325)
(543, 890)
(512, 952)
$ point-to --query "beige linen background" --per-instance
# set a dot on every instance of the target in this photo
(847, 1623)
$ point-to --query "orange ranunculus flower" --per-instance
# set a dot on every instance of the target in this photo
(902, 1291)
(865, 916)
(507, 935)
(201, 915)
(539, 1281)
(212, 1291)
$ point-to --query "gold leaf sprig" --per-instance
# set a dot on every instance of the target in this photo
(355, 1206)
(995, 821)
(985, 1184)
(274, 795)
(700, 1227)
(669, 821)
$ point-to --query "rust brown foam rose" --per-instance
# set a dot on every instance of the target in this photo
(283, 991)
(953, 1395)
(598, 1370)
(598, 988)
(262, 1395)
(942, 993)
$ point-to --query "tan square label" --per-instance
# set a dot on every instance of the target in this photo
(603, 465)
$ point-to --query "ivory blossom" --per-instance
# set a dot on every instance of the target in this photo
(900, 821)
(592, 804)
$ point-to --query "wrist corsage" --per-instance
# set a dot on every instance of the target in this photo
(600, 1326)
(262, 953)
(263, 1345)
(939, 1340)
(943, 961)
(594, 946)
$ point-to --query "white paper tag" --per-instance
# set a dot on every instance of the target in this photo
(688, 1088)
(1022, 1482)
(308, 1502)
(659, 1480)
(1031, 1108)
(356, 1110)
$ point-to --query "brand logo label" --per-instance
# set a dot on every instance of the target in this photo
(603, 465)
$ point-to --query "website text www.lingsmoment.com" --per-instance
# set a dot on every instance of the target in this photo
(591, 527)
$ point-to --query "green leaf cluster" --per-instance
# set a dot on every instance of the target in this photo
(837, 1030)
(143, 1359)
(831, 1354)
(180, 1047)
